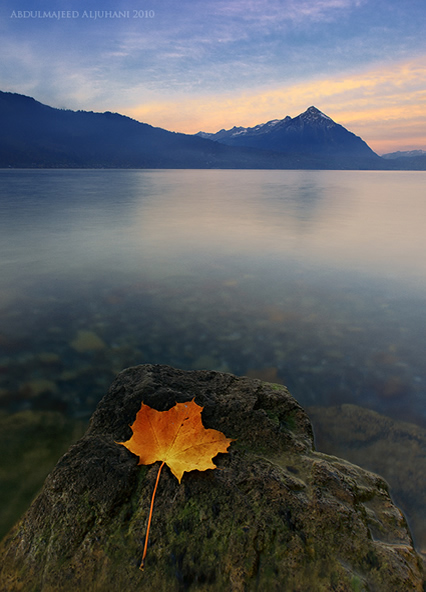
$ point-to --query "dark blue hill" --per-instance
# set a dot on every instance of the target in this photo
(33, 135)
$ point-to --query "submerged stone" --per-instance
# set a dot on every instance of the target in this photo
(395, 449)
(87, 341)
(32, 442)
(38, 386)
(274, 516)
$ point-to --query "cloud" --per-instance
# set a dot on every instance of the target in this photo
(285, 10)
(207, 64)
(370, 103)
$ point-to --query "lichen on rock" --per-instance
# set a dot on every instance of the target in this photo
(274, 516)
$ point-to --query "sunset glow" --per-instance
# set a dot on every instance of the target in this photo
(386, 107)
(212, 64)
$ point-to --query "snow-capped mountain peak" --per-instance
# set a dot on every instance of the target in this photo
(235, 131)
(310, 133)
(312, 114)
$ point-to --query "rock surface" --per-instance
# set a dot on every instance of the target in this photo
(275, 515)
(394, 449)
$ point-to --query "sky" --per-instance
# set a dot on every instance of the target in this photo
(205, 65)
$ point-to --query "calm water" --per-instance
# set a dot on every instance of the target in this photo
(316, 279)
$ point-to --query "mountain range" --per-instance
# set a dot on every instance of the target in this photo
(406, 154)
(311, 132)
(34, 135)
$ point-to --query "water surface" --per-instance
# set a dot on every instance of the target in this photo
(316, 279)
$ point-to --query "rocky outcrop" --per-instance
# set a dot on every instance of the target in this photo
(394, 449)
(274, 516)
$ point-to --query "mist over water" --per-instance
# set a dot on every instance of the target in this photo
(316, 279)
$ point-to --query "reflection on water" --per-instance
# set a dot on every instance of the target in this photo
(315, 279)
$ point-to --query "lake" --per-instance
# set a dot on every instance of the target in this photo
(314, 279)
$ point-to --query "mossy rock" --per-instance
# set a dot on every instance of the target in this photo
(274, 516)
(395, 449)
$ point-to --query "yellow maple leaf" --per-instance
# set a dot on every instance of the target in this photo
(176, 437)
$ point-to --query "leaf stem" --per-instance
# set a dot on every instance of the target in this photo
(149, 519)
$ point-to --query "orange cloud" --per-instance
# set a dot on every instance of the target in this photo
(385, 105)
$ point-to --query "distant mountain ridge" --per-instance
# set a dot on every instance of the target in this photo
(33, 135)
(404, 154)
(310, 133)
